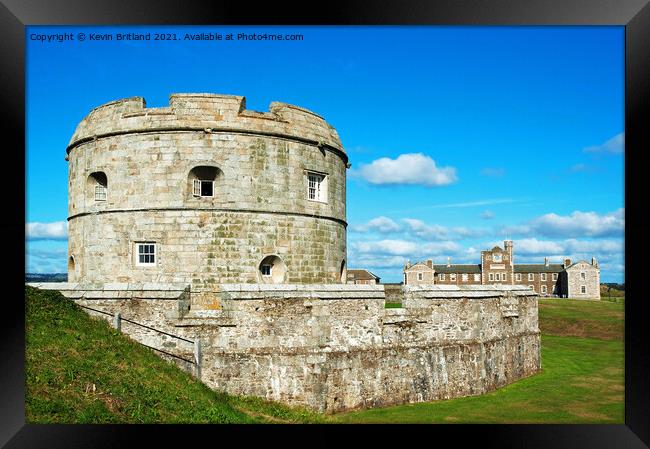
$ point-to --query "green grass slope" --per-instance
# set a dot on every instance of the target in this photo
(80, 370)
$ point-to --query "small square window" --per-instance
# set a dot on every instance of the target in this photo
(146, 253)
(100, 193)
(316, 187)
(203, 188)
(266, 270)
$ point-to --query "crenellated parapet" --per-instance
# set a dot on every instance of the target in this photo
(209, 113)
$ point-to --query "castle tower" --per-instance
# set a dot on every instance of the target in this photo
(206, 192)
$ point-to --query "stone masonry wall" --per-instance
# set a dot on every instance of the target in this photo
(335, 347)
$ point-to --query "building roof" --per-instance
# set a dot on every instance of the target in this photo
(538, 268)
(362, 275)
(458, 268)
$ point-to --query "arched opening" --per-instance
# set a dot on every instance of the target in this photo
(71, 269)
(272, 270)
(202, 181)
(343, 274)
(97, 186)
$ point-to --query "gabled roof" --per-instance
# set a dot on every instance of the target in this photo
(496, 248)
(362, 275)
(581, 261)
(538, 268)
(458, 268)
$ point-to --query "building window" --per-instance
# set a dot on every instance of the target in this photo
(442, 276)
(583, 275)
(452, 277)
(202, 180)
(532, 287)
(543, 276)
(497, 277)
(555, 289)
(531, 277)
(99, 185)
(555, 276)
(583, 289)
(266, 269)
(503, 277)
(272, 270)
(464, 277)
(146, 253)
(477, 278)
(544, 289)
(316, 187)
(497, 257)
(518, 276)
(491, 276)
(420, 276)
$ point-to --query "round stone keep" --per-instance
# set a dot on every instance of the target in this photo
(206, 192)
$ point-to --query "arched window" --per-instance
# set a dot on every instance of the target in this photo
(98, 186)
(202, 181)
(71, 269)
(272, 270)
(343, 273)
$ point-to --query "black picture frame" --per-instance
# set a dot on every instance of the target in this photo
(633, 14)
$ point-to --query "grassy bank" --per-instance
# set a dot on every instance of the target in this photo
(80, 370)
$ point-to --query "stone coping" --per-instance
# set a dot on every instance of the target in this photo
(116, 286)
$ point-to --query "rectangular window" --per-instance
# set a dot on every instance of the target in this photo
(583, 275)
(146, 253)
(583, 289)
(518, 276)
(465, 277)
(491, 276)
(543, 288)
(420, 276)
(266, 270)
(497, 277)
(503, 277)
(316, 187)
(100, 193)
(203, 188)
(442, 276)
(555, 276)
(543, 276)
(555, 289)
(477, 278)
(452, 277)
(531, 277)
(532, 287)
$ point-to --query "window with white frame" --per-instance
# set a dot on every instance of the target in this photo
(464, 277)
(316, 187)
(452, 277)
(99, 185)
(497, 277)
(504, 277)
(266, 269)
(518, 276)
(477, 278)
(543, 288)
(543, 276)
(491, 276)
(531, 277)
(583, 289)
(203, 180)
(442, 276)
(420, 276)
(555, 276)
(203, 187)
(532, 287)
(145, 253)
(583, 275)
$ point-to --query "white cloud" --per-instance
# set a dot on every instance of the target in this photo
(578, 224)
(46, 260)
(57, 230)
(436, 232)
(615, 145)
(493, 172)
(487, 215)
(381, 224)
(404, 248)
(577, 248)
(412, 168)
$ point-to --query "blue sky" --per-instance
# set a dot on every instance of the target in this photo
(458, 137)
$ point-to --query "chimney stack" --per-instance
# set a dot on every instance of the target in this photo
(594, 262)
(546, 261)
(449, 261)
(430, 263)
(567, 262)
